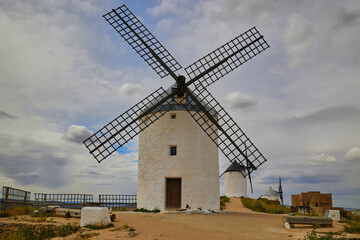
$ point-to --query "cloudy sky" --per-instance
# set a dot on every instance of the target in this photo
(65, 73)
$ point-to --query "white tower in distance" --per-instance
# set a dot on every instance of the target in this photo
(235, 182)
(178, 165)
(271, 194)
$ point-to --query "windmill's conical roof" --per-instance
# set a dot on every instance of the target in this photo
(235, 167)
(171, 104)
(271, 192)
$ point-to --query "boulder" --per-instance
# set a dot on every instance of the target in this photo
(95, 216)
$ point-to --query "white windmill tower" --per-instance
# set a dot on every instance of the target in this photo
(235, 180)
(178, 163)
(178, 160)
(273, 195)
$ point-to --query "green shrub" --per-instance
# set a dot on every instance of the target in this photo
(67, 229)
(146, 210)
(4, 214)
(343, 213)
(223, 201)
(42, 232)
(99, 226)
(311, 214)
(352, 227)
(264, 205)
(313, 235)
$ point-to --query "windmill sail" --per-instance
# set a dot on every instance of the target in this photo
(281, 192)
(126, 126)
(142, 41)
(224, 131)
(226, 58)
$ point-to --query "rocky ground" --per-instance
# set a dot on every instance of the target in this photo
(236, 222)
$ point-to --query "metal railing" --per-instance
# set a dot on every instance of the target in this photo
(64, 200)
(118, 202)
(13, 197)
(17, 197)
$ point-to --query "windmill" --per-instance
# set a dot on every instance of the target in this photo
(209, 115)
(271, 194)
(235, 180)
(235, 183)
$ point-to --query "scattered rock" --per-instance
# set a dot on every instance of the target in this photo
(132, 234)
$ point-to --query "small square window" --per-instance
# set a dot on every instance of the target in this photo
(172, 150)
(173, 115)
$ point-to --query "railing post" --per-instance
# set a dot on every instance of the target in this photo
(25, 198)
(6, 197)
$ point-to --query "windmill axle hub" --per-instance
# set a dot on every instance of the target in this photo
(180, 85)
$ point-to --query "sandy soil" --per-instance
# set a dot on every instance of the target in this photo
(236, 222)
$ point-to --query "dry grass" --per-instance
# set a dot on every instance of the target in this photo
(265, 205)
(16, 211)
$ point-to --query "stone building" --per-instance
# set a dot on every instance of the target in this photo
(178, 165)
(312, 202)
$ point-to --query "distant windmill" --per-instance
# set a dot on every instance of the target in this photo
(178, 164)
(271, 194)
(235, 180)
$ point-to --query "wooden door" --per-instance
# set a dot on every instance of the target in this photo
(173, 193)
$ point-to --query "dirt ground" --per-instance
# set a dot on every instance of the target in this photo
(236, 222)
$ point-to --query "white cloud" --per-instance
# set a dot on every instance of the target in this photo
(77, 133)
(130, 89)
(165, 24)
(240, 101)
(322, 158)
(27, 174)
(166, 6)
(353, 154)
(297, 39)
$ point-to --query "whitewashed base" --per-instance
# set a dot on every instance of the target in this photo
(94, 216)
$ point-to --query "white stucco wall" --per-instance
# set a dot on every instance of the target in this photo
(235, 185)
(196, 163)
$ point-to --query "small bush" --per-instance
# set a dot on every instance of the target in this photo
(19, 210)
(87, 235)
(41, 232)
(99, 226)
(146, 210)
(311, 214)
(40, 217)
(4, 214)
(67, 229)
(223, 201)
(313, 235)
(352, 227)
